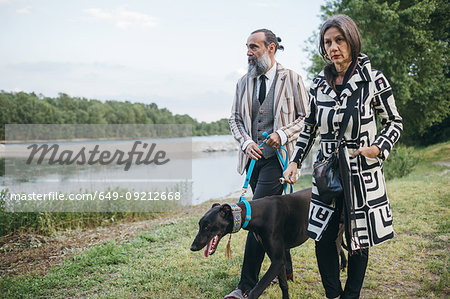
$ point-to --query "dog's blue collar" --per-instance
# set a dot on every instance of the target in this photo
(248, 211)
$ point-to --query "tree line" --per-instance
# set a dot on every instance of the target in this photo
(407, 40)
(29, 108)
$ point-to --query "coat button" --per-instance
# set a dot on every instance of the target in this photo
(336, 107)
(261, 111)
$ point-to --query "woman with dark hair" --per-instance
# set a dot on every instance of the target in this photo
(348, 86)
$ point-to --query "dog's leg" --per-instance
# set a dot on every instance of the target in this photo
(339, 246)
(272, 272)
(282, 279)
(276, 252)
(343, 259)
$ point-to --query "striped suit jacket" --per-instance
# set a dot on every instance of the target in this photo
(290, 107)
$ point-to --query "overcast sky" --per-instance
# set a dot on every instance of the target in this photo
(182, 55)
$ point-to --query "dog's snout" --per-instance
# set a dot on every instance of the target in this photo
(194, 247)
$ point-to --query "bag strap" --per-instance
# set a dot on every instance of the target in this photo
(351, 101)
(346, 118)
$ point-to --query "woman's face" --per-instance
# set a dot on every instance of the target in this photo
(337, 48)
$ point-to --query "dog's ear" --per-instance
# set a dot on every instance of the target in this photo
(225, 209)
(215, 205)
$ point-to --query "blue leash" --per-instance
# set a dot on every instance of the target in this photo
(248, 209)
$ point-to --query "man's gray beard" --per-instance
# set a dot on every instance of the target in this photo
(260, 66)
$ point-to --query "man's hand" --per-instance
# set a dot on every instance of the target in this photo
(369, 152)
(274, 140)
(253, 152)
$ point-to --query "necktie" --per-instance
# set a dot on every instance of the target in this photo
(262, 90)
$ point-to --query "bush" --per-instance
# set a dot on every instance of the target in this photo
(400, 162)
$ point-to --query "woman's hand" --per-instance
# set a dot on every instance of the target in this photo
(369, 152)
(290, 174)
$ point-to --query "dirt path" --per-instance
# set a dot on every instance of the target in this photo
(24, 253)
(32, 253)
(446, 164)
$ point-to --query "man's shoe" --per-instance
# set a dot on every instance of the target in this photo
(237, 294)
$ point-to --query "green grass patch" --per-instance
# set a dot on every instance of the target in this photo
(158, 263)
(46, 223)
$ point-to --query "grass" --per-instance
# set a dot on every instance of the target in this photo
(158, 263)
(46, 223)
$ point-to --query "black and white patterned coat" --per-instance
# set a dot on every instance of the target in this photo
(373, 218)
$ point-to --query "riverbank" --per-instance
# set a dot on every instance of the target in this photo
(155, 261)
(212, 144)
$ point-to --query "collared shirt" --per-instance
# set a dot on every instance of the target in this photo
(270, 74)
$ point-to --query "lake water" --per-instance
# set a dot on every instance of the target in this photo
(214, 174)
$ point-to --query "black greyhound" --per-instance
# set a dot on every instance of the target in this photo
(279, 222)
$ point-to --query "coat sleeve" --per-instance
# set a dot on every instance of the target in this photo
(301, 106)
(236, 121)
(391, 121)
(309, 131)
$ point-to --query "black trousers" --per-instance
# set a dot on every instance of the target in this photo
(328, 261)
(264, 182)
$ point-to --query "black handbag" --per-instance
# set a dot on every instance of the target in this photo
(326, 171)
(328, 179)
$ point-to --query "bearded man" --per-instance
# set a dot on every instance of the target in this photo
(272, 99)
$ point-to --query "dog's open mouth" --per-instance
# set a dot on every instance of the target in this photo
(212, 246)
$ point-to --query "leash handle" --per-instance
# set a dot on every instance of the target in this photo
(252, 165)
(253, 161)
(248, 209)
(250, 171)
(285, 163)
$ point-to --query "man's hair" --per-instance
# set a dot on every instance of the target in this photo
(270, 38)
(348, 28)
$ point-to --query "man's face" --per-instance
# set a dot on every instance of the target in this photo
(260, 57)
(255, 45)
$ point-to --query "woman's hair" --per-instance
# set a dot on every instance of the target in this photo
(350, 32)
(270, 38)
